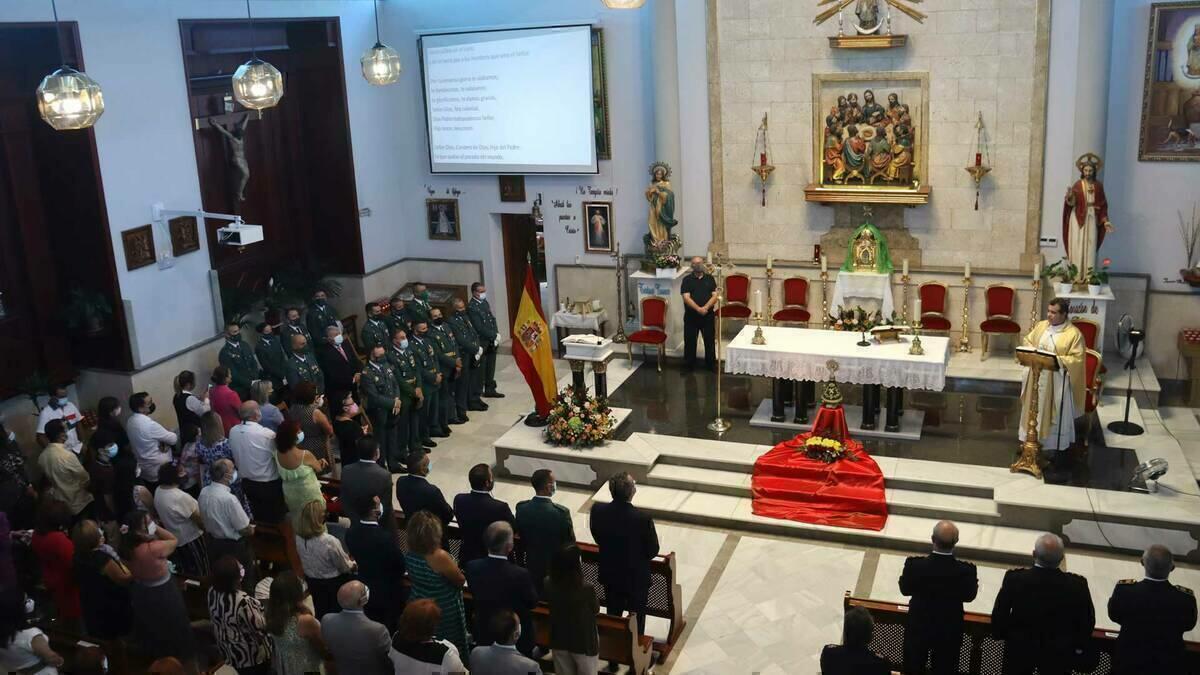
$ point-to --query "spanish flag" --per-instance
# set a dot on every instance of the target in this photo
(531, 346)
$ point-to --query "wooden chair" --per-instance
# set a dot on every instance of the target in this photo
(653, 331)
(1093, 373)
(1000, 301)
(795, 302)
(933, 296)
(736, 304)
(1090, 330)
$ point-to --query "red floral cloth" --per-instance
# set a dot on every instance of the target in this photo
(787, 484)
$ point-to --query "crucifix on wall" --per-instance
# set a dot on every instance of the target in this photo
(235, 146)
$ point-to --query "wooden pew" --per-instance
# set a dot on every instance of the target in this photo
(619, 641)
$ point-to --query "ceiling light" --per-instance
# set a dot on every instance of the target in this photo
(624, 4)
(257, 85)
(381, 63)
(67, 98)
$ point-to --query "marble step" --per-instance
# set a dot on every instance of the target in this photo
(1007, 545)
(900, 501)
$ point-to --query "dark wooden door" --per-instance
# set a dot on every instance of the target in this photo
(520, 246)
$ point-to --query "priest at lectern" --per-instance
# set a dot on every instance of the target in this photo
(1060, 392)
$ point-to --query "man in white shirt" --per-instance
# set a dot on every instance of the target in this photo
(151, 442)
(229, 528)
(180, 514)
(253, 448)
(60, 408)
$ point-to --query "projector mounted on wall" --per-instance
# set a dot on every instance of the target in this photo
(236, 233)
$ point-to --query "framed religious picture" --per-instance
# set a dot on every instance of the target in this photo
(441, 217)
(597, 229)
(184, 236)
(512, 188)
(870, 137)
(1170, 128)
(139, 247)
(600, 96)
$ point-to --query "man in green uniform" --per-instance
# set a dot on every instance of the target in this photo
(293, 327)
(404, 363)
(418, 309)
(239, 359)
(484, 321)
(470, 386)
(381, 393)
(375, 330)
(320, 314)
(302, 366)
(451, 363)
(431, 381)
(545, 527)
(271, 355)
(398, 317)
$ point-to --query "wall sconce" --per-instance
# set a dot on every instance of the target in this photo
(536, 213)
(982, 163)
(760, 167)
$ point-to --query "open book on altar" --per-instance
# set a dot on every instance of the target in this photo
(1028, 356)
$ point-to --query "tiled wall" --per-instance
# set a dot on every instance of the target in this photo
(980, 57)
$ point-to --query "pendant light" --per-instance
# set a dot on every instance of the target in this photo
(67, 98)
(624, 4)
(381, 63)
(257, 84)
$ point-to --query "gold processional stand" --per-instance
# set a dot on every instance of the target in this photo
(1031, 449)
(718, 424)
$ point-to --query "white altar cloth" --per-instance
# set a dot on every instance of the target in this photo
(802, 354)
(567, 320)
(859, 285)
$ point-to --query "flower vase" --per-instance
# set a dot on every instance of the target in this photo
(1063, 288)
(1094, 289)
(666, 272)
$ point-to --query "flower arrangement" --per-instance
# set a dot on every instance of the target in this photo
(665, 253)
(856, 319)
(578, 423)
(1098, 276)
(827, 450)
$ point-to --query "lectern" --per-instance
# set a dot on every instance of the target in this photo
(1036, 360)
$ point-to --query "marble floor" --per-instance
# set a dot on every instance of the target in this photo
(754, 604)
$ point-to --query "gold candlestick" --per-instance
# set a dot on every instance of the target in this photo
(915, 348)
(964, 342)
(619, 337)
(824, 299)
(718, 424)
(770, 303)
(1035, 306)
(904, 298)
(758, 338)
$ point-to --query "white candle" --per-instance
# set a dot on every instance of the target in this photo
(770, 262)
(1037, 271)
(967, 271)
(906, 267)
(710, 257)
(917, 310)
(824, 264)
(758, 302)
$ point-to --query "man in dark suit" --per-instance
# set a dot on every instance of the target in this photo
(854, 655)
(939, 584)
(476, 510)
(1153, 615)
(628, 542)
(498, 585)
(484, 321)
(1044, 615)
(339, 363)
(543, 525)
(380, 561)
(357, 644)
(365, 479)
(416, 493)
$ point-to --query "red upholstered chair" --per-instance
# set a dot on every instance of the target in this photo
(654, 328)
(795, 301)
(736, 304)
(933, 296)
(1093, 370)
(1000, 301)
(1090, 330)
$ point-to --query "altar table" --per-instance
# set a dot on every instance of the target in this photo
(802, 355)
(861, 285)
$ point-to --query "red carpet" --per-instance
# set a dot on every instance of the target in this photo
(788, 484)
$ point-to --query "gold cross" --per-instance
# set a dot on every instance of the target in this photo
(866, 212)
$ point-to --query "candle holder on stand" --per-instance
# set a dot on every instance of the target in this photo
(964, 342)
(824, 299)
(619, 337)
(719, 424)
(915, 347)
(758, 338)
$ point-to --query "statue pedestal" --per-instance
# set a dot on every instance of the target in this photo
(666, 287)
(1093, 308)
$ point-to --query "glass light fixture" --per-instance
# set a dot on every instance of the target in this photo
(381, 63)
(624, 4)
(257, 85)
(67, 98)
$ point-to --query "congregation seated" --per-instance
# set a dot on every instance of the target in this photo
(476, 510)
(854, 656)
(358, 644)
(415, 493)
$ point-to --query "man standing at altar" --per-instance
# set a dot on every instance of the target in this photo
(1060, 392)
(699, 292)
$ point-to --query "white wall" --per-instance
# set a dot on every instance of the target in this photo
(1143, 197)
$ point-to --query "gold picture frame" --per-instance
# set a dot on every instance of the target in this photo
(1169, 129)
(597, 227)
(600, 96)
(900, 109)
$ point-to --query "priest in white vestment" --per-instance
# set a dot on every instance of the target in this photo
(1061, 392)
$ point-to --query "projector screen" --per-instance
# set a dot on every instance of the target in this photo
(510, 101)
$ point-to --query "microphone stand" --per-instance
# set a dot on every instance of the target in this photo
(1125, 427)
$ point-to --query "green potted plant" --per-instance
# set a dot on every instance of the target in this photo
(1063, 273)
(86, 311)
(1097, 277)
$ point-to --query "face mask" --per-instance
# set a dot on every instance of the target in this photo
(352, 409)
(234, 338)
(152, 528)
(299, 438)
(439, 321)
(117, 412)
(241, 571)
(29, 605)
(429, 468)
(378, 360)
(153, 407)
(62, 402)
(112, 450)
(404, 344)
(553, 489)
(483, 296)
(337, 339)
(234, 477)
(697, 268)
(319, 302)
(424, 295)
(366, 597)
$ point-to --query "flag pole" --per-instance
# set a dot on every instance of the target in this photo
(532, 419)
